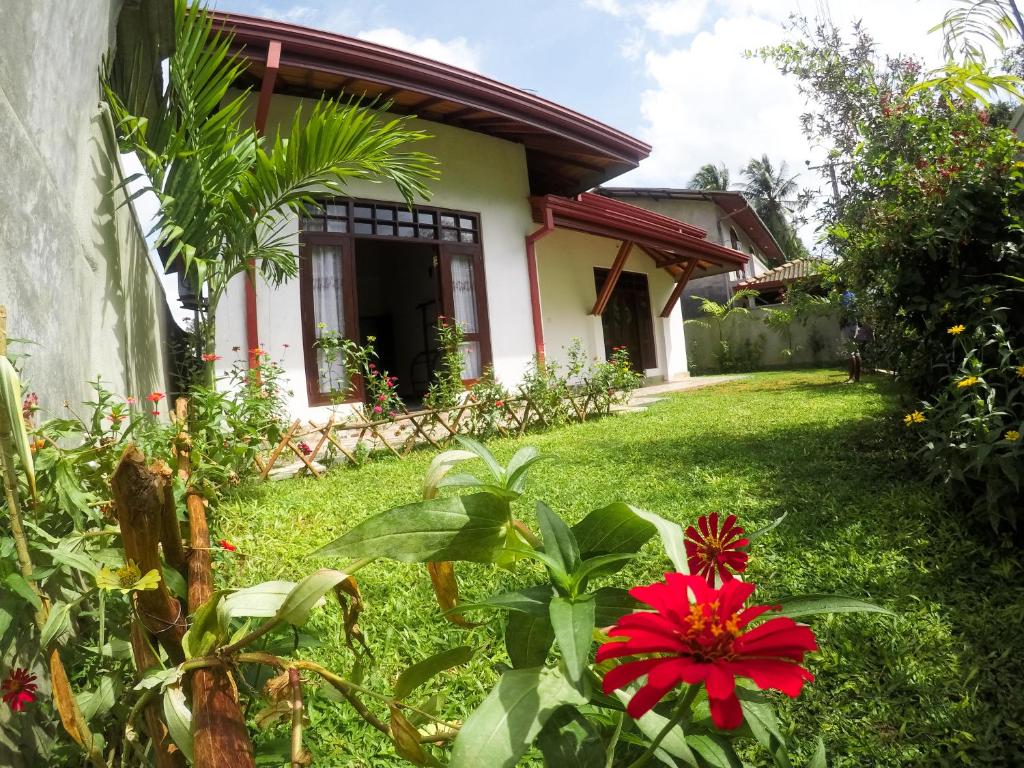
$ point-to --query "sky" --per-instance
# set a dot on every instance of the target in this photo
(670, 72)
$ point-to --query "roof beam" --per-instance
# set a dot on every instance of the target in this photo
(612, 278)
(267, 86)
(677, 290)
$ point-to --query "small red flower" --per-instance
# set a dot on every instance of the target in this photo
(499, 403)
(304, 447)
(130, 400)
(256, 351)
(19, 689)
(209, 357)
(382, 397)
(155, 397)
(707, 641)
(227, 545)
(377, 409)
(712, 552)
(155, 412)
(29, 405)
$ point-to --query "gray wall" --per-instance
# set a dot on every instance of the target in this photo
(76, 277)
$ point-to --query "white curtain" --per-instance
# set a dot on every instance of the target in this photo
(464, 292)
(471, 367)
(328, 309)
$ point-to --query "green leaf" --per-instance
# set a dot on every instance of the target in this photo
(11, 420)
(573, 623)
(819, 760)
(307, 594)
(469, 528)
(209, 628)
(760, 717)
(97, 703)
(422, 671)
(175, 582)
(502, 728)
(810, 605)
(259, 601)
(602, 565)
(559, 543)
(439, 467)
(519, 467)
(160, 678)
(496, 470)
(671, 538)
(532, 600)
(179, 720)
(612, 603)
(715, 751)
(528, 639)
(17, 584)
(58, 624)
(766, 529)
(79, 561)
(611, 529)
(652, 723)
(570, 740)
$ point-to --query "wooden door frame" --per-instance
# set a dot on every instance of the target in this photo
(649, 315)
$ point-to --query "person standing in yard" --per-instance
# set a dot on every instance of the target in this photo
(856, 334)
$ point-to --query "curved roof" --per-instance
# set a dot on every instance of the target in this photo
(735, 205)
(566, 152)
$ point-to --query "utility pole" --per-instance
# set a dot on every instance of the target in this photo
(831, 165)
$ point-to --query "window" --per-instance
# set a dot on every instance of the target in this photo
(392, 220)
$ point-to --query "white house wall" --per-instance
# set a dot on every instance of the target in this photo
(566, 262)
(478, 173)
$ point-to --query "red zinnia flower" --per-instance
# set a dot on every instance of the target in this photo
(19, 689)
(155, 397)
(711, 551)
(209, 357)
(225, 544)
(377, 409)
(708, 642)
(304, 447)
(155, 412)
(499, 403)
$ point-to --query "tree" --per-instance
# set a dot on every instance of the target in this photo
(711, 177)
(716, 314)
(776, 197)
(224, 191)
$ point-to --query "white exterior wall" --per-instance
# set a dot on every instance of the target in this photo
(566, 262)
(478, 173)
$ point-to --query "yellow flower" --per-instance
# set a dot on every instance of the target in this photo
(1020, 371)
(1012, 435)
(970, 381)
(127, 578)
(915, 417)
(956, 330)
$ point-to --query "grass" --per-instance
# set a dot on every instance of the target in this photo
(937, 685)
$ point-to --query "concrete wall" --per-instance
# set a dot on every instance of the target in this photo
(77, 280)
(478, 173)
(566, 262)
(815, 342)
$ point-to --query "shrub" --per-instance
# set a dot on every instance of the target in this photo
(447, 390)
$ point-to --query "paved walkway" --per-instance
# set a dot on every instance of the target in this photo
(644, 396)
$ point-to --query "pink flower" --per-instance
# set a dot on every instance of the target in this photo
(382, 397)
(304, 447)
(155, 397)
(130, 400)
(19, 689)
(378, 409)
(209, 357)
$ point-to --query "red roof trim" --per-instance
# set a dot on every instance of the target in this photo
(606, 217)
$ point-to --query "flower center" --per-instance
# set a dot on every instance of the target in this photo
(128, 575)
(713, 547)
(709, 634)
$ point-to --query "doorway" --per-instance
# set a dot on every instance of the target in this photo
(398, 296)
(627, 320)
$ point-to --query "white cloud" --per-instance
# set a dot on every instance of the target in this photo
(608, 6)
(674, 17)
(457, 51)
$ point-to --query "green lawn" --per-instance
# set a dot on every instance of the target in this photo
(937, 685)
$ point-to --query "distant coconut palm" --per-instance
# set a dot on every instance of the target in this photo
(711, 177)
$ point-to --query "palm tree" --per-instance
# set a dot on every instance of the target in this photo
(224, 191)
(775, 195)
(717, 314)
(711, 177)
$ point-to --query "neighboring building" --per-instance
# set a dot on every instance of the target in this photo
(511, 244)
(729, 220)
(773, 284)
(77, 280)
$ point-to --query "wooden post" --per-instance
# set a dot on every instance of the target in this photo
(3, 330)
(677, 291)
(220, 739)
(138, 494)
(612, 278)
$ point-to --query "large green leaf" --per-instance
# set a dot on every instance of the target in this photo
(259, 601)
(478, 448)
(307, 594)
(671, 538)
(611, 529)
(439, 467)
(764, 725)
(818, 760)
(652, 723)
(528, 639)
(209, 628)
(469, 528)
(11, 421)
(559, 543)
(810, 605)
(519, 467)
(17, 584)
(602, 565)
(58, 624)
(612, 604)
(422, 671)
(504, 726)
(570, 740)
(715, 751)
(573, 623)
(532, 600)
(179, 719)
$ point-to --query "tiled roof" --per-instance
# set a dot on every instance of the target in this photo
(790, 272)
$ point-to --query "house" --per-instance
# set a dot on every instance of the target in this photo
(78, 284)
(731, 222)
(771, 286)
(511, 245)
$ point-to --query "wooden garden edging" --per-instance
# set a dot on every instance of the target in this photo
(398, 435)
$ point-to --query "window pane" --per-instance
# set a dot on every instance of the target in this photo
(428, 232)
(337, 225)
(467, 237)
(364, 212)
(467, 223)
(335, 209)
(407, 232)
(424, 217)
(471, 367)
(447, 220)
(450, 235)
(312, 225)
(363, 228)
(385, 214)
(464, 292)
(328, 312)
(404, 214)
(385, 229)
